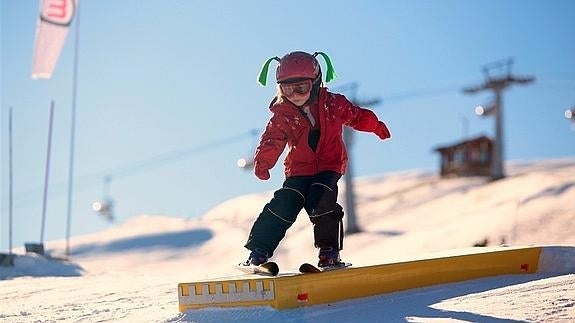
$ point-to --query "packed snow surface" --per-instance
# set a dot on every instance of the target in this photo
(130, 272)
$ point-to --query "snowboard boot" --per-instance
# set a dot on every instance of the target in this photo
(256, 258)
(328, 257)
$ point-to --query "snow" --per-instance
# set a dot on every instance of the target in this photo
(130, 272)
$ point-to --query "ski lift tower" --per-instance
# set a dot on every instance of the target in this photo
(351, 218)
(570, 114)
(105, 207)
(498, 84)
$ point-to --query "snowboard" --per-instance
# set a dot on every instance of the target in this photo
(307, 268)
(269, 268)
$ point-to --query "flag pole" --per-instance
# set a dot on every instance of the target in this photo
(7, 260)
(10, 182)
(47, 173)
(72, 131)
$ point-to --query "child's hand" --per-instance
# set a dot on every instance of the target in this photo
(263, 174)
(381, 131)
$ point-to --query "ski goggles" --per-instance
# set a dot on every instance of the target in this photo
(302, 87)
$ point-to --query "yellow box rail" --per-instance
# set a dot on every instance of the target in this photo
(294, 290)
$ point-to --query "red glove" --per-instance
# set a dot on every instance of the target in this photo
(381, 131)
(262, 173)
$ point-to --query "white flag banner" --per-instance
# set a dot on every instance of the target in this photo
(51, 31)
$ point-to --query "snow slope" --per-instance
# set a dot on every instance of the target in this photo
(130, 272)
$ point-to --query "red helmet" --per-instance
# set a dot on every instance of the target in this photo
(297, 65)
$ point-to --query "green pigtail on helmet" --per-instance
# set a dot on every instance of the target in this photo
(262, 78)
(329, 74)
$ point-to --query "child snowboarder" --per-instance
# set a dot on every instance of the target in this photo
(309, 120)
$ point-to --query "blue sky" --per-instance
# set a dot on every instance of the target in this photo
(159, 81)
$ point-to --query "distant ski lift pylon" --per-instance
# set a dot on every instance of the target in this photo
(570, 114)
(247, 163)
(105, 207)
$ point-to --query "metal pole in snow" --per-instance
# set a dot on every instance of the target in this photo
(47, 172)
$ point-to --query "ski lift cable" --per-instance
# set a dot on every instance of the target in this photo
(29, 197)
(144, 165)
(171, 157)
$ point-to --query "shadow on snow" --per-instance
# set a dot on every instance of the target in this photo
(170, 240)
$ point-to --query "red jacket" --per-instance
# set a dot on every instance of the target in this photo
(289, 125)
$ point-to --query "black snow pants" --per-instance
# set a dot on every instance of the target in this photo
(317, 194)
